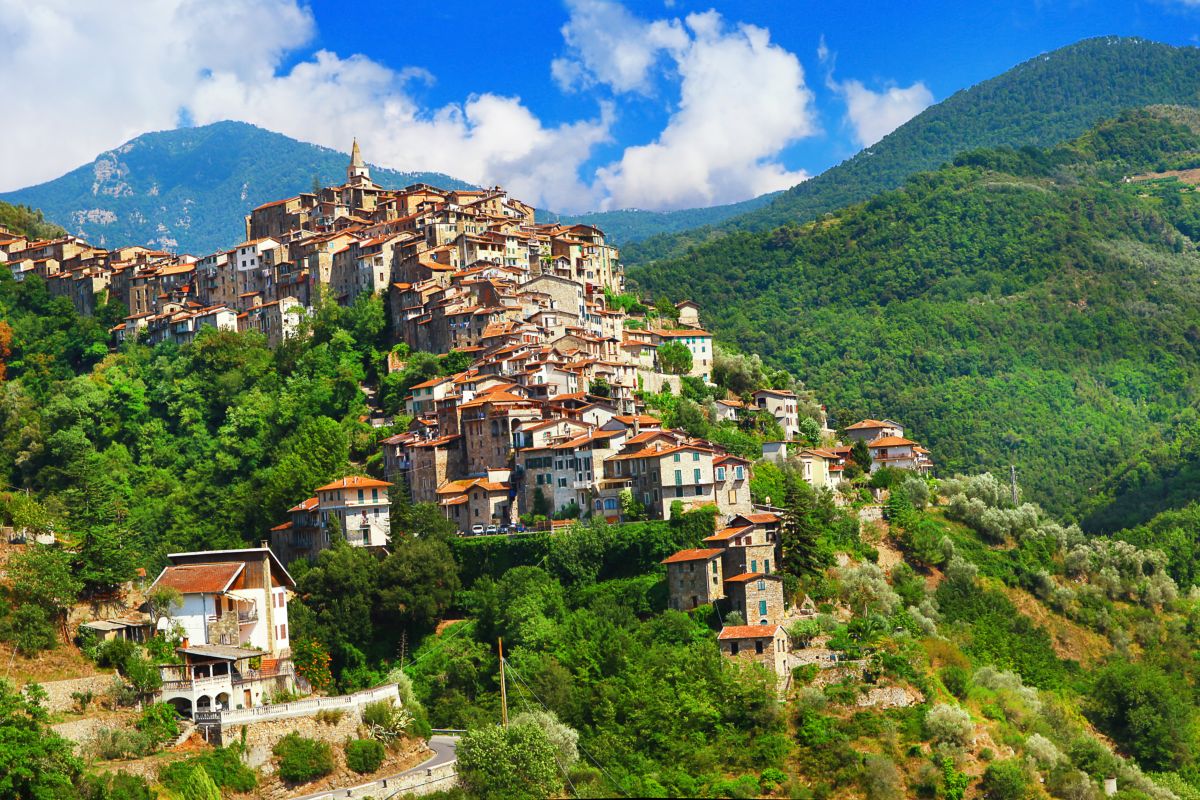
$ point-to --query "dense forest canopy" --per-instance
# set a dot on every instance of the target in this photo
(1018, 306)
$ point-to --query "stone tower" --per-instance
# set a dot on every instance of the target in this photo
(357, 172)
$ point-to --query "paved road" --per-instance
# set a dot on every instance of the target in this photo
(444, 750)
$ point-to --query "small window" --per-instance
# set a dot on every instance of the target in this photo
(720, 473)
(766, 566)
(714, 567)
(758, 647)
(695, 455)
(696, 476)
(762, 607)
(676, 457)
(753, 565)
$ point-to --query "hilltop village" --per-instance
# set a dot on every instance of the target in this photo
(546, 423)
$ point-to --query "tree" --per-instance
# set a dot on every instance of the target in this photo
(810, 432)
(1147, 712)
(160, 601)
(600, 388)
(311, 660)
(513, 763)
(417, 584)
(675, 358)
(666, 310)
(44, 575)
(800, 528)
(35, 762)
(861, 455)
(199, 785)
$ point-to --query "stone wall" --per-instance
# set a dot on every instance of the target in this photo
(261, 737)
(422, 781)
(59, 692)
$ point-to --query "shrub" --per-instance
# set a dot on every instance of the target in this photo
(1042, 750)
(364, 755)
(114, 653)
(880, 779)
(224, 765)
(111, 744)
(302, 760)
(329, 716)
(386, 722)
(949, 725)
(31, 629)
(119, 786)
(956, 680)
(1006, 780)
(158, 723)
(83, 700)
(199, 785)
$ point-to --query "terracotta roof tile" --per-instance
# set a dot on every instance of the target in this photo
(197, 578)
(692, 555)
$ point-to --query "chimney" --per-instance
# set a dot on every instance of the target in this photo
(186, 642)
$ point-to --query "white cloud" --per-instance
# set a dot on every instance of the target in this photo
(93, 75)
(609, 45)
(874, 115)
(742, 100)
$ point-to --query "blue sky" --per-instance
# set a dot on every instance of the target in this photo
(571, 104)
(946, 45)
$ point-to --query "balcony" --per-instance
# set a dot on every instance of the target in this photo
(247, 617)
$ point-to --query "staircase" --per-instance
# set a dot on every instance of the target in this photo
(186, 726)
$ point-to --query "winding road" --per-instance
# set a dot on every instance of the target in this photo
(444, 751)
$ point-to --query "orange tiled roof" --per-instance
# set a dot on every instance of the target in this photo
(199, 578)
(353, 482)
(692, 555)
(747, 631)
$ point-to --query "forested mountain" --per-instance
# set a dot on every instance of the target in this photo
(188, 189)
(1027, 307)
(1043, 101)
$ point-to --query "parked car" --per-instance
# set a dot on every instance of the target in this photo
(493, 529)
(476, 530)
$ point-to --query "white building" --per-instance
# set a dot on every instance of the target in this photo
(234, 622)
(361, 507)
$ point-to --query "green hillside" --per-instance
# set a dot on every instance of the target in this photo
(27, 221)
(1023, 307)
(188, 189)
(1045, 100)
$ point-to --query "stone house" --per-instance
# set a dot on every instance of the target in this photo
(756, 596)
(731, 478)
(746, 548)
(695, 577)
(762, 644)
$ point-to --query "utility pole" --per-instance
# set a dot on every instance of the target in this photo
(1012, 473)
(503, 687)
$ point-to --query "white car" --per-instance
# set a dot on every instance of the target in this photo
(476, 530)
(492, 529)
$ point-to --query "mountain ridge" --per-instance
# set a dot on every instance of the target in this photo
(1043, 100)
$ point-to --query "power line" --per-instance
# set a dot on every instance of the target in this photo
(561, 767)
(581, 747)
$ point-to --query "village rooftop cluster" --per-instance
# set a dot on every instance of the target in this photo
(545, 420)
